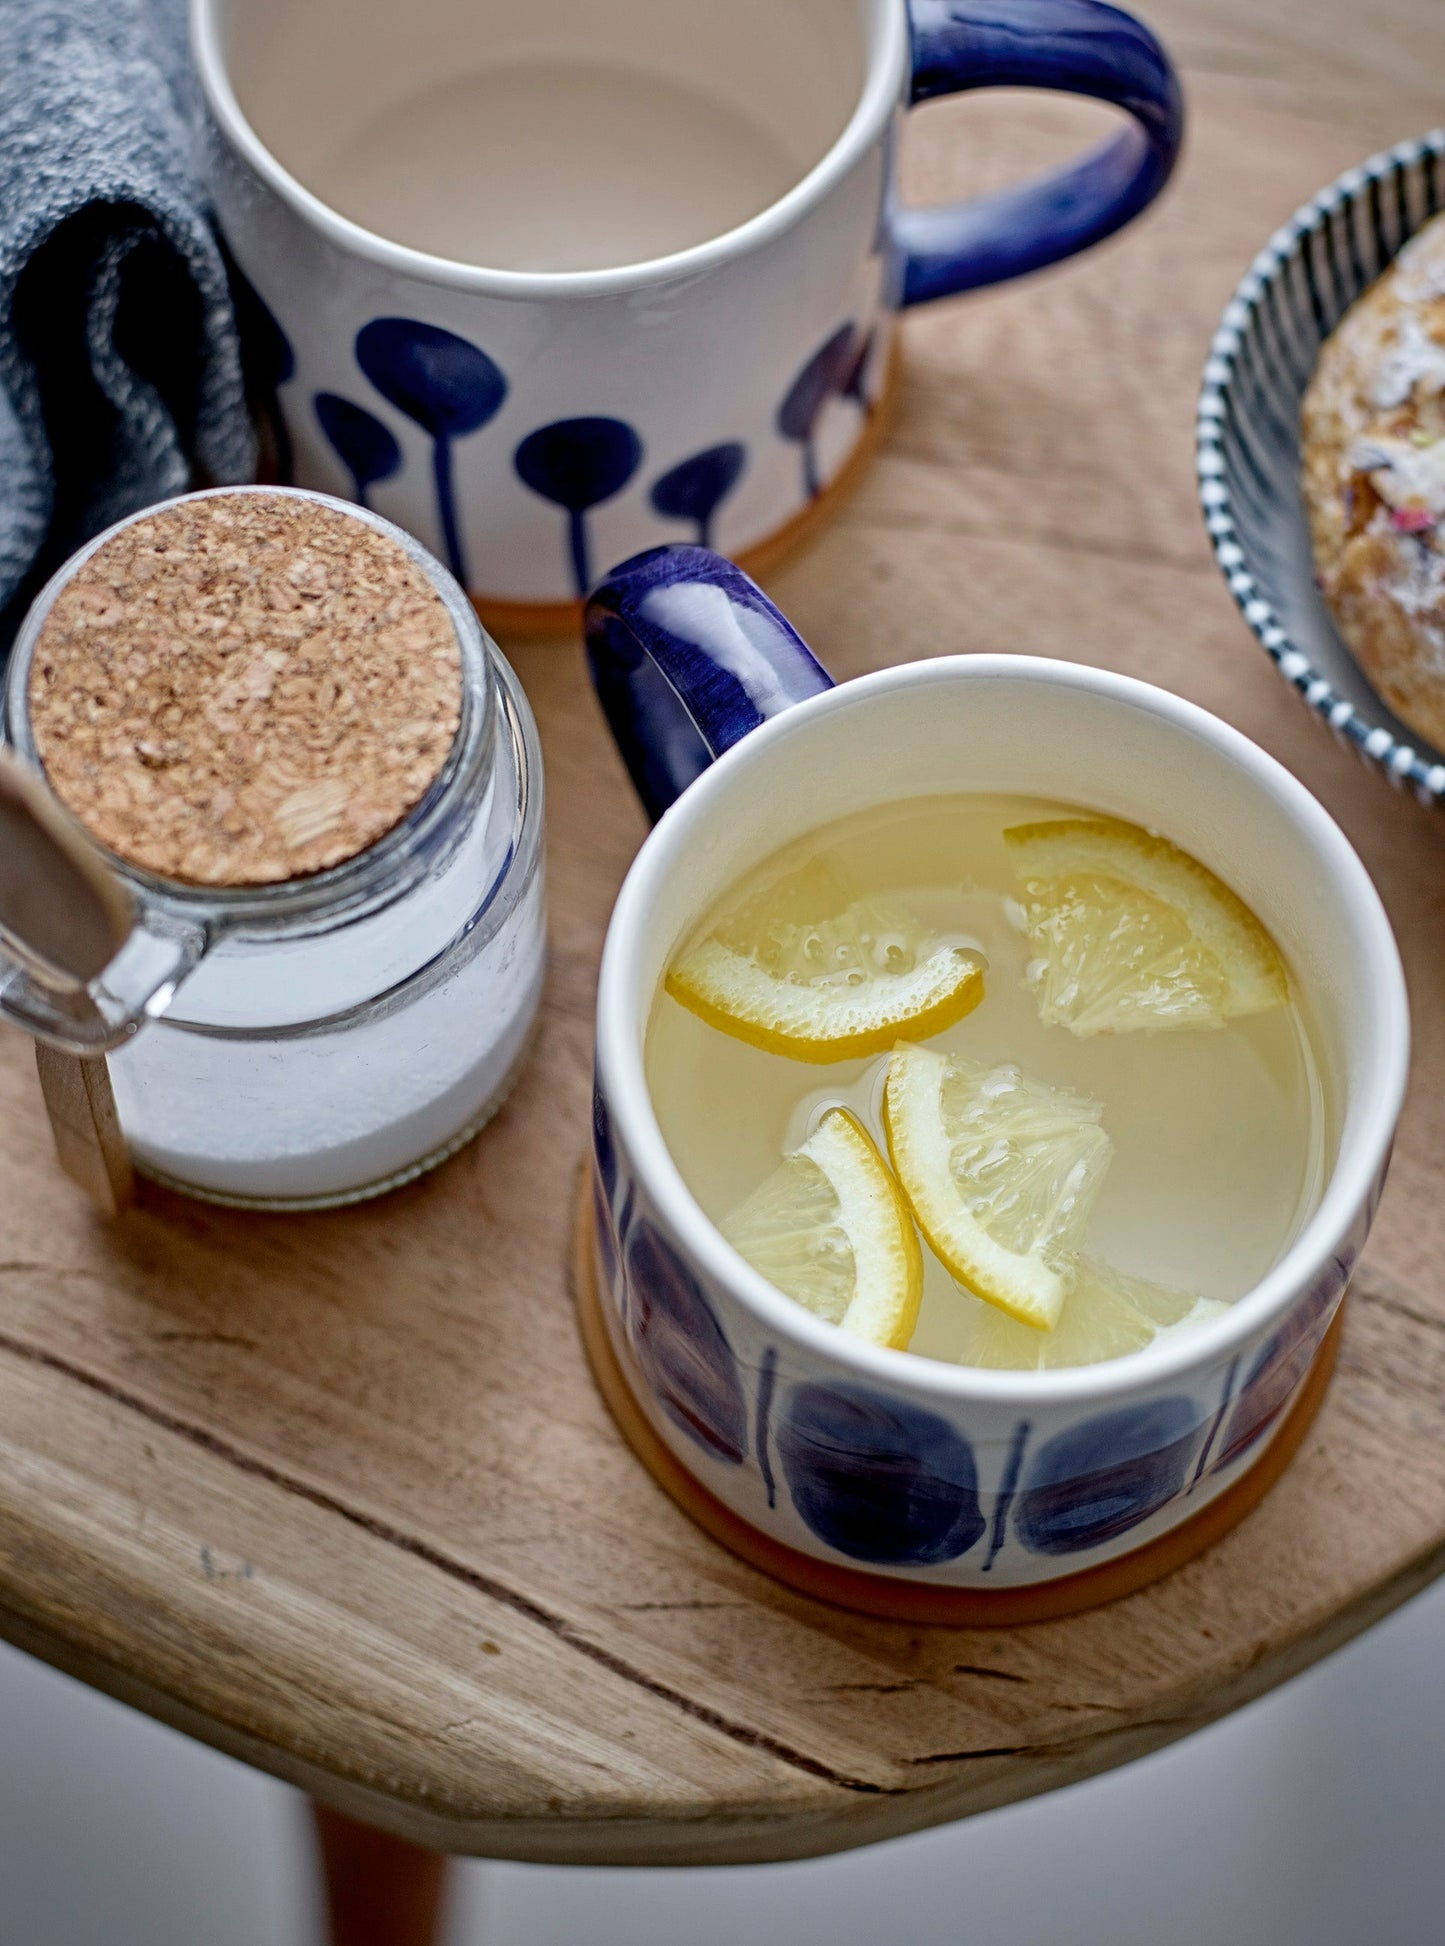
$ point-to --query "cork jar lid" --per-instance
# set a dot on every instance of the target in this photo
(244, 688)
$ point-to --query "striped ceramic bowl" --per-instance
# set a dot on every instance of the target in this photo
(1260, 362)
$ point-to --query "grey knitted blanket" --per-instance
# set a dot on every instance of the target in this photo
(120, 369)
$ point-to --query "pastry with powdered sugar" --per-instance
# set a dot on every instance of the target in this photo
(1374, 480)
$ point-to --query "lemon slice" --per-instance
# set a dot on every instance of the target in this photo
(1106, 1315)
(1131, 933)
(808, 973)
(1001, 1172)
(831, 1230)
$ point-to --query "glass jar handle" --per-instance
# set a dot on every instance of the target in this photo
(687, 656)
(135, 987)
(81, 966)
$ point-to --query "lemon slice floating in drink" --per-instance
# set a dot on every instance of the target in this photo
(807, 973)
(1106, 1315)
(1001, 1172)
(1130, 933)
(831, 1230)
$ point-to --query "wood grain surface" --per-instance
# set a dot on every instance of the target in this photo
(335, 1492)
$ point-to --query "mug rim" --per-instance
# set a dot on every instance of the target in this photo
(885, 70)
(622, 1073)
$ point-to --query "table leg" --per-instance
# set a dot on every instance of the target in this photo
(380, 1891)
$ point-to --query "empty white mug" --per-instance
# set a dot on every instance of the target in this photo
(547, 286)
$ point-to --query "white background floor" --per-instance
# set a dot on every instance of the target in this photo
(1314, 1818)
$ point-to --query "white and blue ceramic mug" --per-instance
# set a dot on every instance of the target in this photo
(689, 335)
(874, 1460)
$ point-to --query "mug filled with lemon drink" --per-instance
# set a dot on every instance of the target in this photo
(997, 1062)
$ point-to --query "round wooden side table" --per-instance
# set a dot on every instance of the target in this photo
(337, 1494)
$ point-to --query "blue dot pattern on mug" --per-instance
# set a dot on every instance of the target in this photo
(361, 442)
(451, 389)
(828, 371)
(681, 1348)
(695, 488)
(448, 386)
(1095, 1481)
(878, 1479)
(578, 464)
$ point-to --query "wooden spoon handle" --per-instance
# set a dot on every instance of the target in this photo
(88, 1142)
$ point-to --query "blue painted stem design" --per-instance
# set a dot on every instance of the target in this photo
(441, 465)
(798, 415)
(446, 385)
(850, 383)
(762, 1422)
(577, 547)
(1007, 1487)
(695, 488)
(361, 442)
(577, 464)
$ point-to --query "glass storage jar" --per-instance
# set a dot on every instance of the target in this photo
(322, 1039)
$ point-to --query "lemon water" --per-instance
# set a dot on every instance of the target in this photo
(1219, 1136)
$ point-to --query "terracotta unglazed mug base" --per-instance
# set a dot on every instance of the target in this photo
(763, 558)
(911, 1601)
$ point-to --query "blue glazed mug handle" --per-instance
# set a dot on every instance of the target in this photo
(1080, 47)
(687, 656)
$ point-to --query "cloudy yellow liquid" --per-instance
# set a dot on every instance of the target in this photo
(1220, 1136)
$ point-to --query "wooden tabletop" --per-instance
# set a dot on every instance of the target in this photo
(336, 1493)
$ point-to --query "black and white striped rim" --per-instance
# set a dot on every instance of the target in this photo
(1328, 253)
